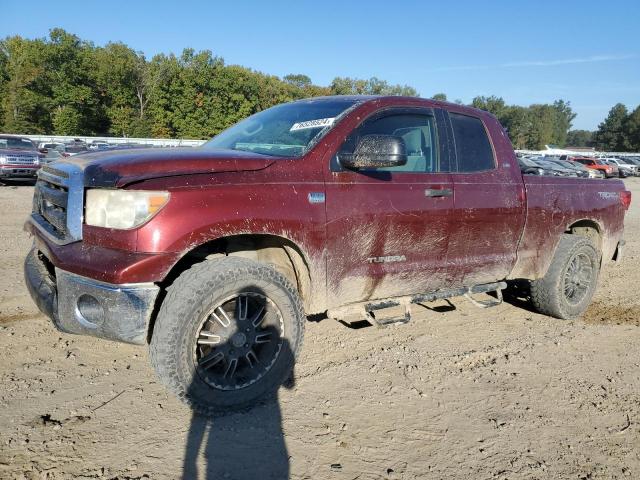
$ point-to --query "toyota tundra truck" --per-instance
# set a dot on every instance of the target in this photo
(340, 206)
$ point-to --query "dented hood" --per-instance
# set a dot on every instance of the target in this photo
(121, 167)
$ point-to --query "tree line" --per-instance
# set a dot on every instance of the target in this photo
(68, 86)
(538, 125)
(535, 126)
(64, 85)
(530, 127)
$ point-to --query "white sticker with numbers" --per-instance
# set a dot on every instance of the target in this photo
(319, 123)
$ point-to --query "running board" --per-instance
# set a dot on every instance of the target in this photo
(368, 308)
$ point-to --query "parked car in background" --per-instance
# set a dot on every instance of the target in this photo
(70, 149)
(51, 155)
(556, 169)
(625, 168)
(530, 167)
(44, 147)
(98, 146)
(77, 143)
(622, 172)
(609, 171)
(634, 161)
(19, 158)
(127, 146)
(579, 169)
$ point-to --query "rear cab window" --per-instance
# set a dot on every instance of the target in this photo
(473, 148)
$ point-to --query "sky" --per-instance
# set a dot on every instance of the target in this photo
(586, 52)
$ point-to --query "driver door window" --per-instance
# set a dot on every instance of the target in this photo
(418, 132)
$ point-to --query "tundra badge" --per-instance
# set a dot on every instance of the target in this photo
(387, 259)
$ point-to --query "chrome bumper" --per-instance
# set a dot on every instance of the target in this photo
(18, 172)
(84, 306)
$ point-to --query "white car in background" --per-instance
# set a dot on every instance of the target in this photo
(48, 145)
(98, 146)
(630, 168)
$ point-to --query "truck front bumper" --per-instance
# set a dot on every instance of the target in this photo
(84, 306)
(17, 172)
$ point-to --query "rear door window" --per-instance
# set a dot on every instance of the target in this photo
(473, 148)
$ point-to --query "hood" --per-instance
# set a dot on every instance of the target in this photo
(121, 167)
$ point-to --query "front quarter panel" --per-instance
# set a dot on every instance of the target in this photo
(207, 208)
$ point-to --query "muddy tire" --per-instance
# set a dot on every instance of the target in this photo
(227, 334)
(567, 288)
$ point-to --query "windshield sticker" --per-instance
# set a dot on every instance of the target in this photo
(319, 123)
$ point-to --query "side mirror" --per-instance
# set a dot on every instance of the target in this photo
(375, 151)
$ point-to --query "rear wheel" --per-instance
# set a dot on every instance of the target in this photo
(569, 284)
(227, 334)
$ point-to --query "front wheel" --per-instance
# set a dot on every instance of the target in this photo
(227, 334)
(567, 288)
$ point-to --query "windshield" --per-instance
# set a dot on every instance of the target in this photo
(528, 162)
(573, 166)
(547, 164)
(286, 130)
(17, 143)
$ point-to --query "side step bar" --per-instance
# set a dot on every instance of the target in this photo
(367, 308)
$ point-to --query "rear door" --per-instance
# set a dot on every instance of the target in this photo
(489, 214)
(388, 228)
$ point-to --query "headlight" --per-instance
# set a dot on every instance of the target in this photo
(3, 159)
(122, 209)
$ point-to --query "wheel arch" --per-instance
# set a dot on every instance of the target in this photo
(588, 228)
(284, 255)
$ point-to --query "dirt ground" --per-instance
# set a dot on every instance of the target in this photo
(467, 393)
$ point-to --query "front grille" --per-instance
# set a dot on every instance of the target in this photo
(50, 202)
(54, 171)
(58, 201)
(22, 159)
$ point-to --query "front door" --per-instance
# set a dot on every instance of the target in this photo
(388, 228)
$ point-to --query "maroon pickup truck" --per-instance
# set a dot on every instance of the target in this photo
(343, 206)
(19, 158)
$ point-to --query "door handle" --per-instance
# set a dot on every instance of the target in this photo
(438, 192)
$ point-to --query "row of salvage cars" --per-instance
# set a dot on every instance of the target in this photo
(579, 166)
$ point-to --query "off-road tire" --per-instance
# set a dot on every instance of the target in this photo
(188, 300)
(548, 293)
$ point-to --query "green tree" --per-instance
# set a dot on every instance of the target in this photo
(579, 138)
(517, 122)
(298, 80)
(22, 100)
(632, 130)
(562, 122)
(123, 80)
(67, 120)
(611, 133)
(440, 96)
(70, 65)
(373, 86)
(491, 104)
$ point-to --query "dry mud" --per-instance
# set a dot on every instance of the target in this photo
(458, 393)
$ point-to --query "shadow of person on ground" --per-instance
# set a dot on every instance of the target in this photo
(245, 444)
